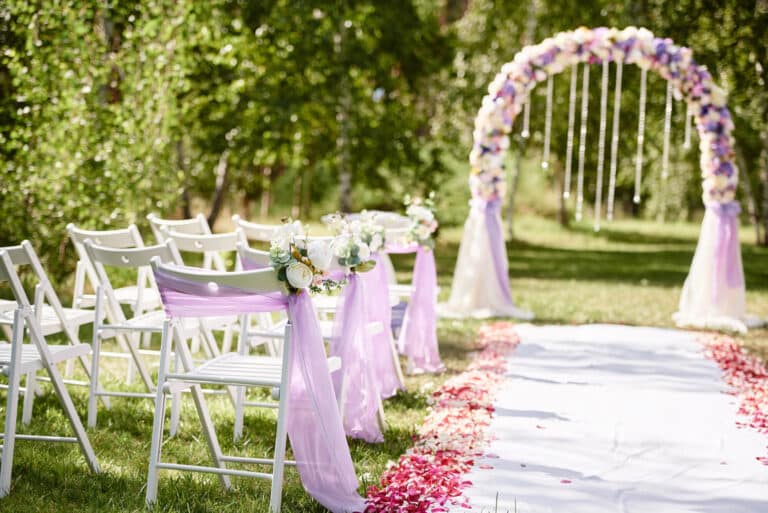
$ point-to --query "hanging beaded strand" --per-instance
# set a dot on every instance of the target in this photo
(688, 122)
(665, 149)
(582, 142)
(601, 145)
(571, 124)
(614, 139)
(547, 123)
(640, 136)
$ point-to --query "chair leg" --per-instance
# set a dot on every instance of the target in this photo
(396, 360)
(276, 494)
(239, 412)
(93, 397)
(202, 411)
(157, 424)
(66, 401)
(14, 379)
(29, 398)
(175, 402)
(156, 447)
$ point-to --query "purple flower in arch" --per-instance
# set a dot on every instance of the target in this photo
(725, 168)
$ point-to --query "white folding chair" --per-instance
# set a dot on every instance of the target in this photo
(254, 231)
(139, 297)
(212, 247)
(125, 330)
(197, 225)
(52, 319)
(18, 359)
(236, 369)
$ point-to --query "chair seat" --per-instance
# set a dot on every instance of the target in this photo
(237, 369)
(325, 303)
(153, 321)
(49, 321)
(149, 296)
(30, 357)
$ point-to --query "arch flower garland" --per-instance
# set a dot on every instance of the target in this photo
(690, 81)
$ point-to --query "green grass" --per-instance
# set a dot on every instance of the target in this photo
(631, 272)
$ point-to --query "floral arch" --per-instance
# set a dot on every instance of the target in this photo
(713, 294)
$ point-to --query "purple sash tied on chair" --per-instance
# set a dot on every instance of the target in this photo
(355, 383)
(418, 335)
(314, 424)
(380, 310)
(726, 248)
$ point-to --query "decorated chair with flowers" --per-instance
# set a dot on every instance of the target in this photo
(300, 380)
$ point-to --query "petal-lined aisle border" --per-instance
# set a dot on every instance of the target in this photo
(428, 478)
(749, 378)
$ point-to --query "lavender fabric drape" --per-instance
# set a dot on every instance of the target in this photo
(726, 261)
(418, 335)
(314, 424)
(379, 310)
(496, 239)
(355, 384)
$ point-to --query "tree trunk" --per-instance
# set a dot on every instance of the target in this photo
(297, 196)
(747, 185)
(764, 180)
(266, 191)
(186, 207)
(220, 193)
(306, 202)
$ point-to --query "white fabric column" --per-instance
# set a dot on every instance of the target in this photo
(700, 306)
(475, 290)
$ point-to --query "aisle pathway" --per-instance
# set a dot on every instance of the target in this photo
(617, 419)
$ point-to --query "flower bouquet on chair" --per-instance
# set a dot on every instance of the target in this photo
(301, 262)
(421, 213)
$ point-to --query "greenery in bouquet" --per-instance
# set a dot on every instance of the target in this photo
(301, 262)
(421, 213)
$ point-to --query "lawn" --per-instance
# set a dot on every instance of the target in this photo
(631, 272)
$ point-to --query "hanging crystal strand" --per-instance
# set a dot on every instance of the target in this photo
(601, 145)
(547, 123)
(571, 124)
(640, 136)
(614, 139)
(665, 150)
(582, 142)
(688, 122)
(526, 133)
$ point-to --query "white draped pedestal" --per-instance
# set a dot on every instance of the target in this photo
(477, 291)
(713, 296)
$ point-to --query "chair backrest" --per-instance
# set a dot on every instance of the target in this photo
(254, 231)
(209, 245)
(132, 258)
(24, 254)
(197, 225)
(129, 237)
(256, 257)
(258, 281)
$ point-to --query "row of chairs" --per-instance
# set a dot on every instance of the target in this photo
(97, 251)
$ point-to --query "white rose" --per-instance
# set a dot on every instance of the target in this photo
(423, 232)
(320, 254)
(299, 275)
(363, 251)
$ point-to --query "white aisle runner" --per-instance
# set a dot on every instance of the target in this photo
(617, 419)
